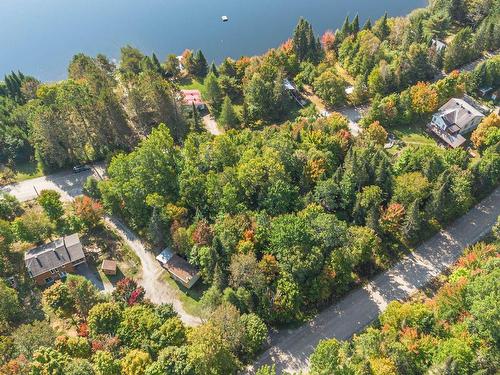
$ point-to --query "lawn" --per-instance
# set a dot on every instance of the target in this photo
(190, 298)
(27, 170)
(411, 135)
(189, 83)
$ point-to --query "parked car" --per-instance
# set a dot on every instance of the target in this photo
(80, 168)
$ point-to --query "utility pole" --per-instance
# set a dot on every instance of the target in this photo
(97, 172)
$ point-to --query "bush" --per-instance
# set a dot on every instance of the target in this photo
(9, 206)
(50, 200)
(33, 226)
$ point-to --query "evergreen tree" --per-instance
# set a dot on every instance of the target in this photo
(441, 198)
(368, 24)
(381, 28)
(458, 11)
(460, 51)
(413, 222)
(213, 69)
(355, 25)
(344, 32)
(244, 114)
(346, 27)
(213, 92)
(383, 176)
(200, 63)
(157, 65)
(305, 44)
(155, 228)
(197, 125)
(228, 118)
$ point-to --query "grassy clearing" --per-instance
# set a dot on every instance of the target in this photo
(188, 83)
(411, 135)
(190, 298)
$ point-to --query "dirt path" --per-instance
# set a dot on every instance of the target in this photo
(157, 290)
(211, 125)
(291, 348)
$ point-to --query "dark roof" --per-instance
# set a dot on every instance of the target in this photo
(55, 254)
(453, 140)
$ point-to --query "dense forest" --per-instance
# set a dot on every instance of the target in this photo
(282, 214)
(453, 332)
(103, 108)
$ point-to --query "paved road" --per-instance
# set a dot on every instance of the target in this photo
(157, 290)
(291, 348)
(69, 184)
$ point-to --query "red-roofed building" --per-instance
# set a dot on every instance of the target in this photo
(190, 97)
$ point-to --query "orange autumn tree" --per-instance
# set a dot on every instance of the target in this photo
(328, 40)
(488, 132)
(424, 98)
(88, 210)
(376, 133)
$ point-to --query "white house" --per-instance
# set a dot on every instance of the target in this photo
(453, 120)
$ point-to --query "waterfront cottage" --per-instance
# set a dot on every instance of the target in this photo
(453, 120)
(190, 97)
(54, 260)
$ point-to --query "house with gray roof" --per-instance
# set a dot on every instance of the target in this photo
(54, 260)
(453, 120)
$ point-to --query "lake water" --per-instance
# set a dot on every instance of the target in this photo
(39, 37)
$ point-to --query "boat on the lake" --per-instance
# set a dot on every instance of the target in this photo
(225, 18)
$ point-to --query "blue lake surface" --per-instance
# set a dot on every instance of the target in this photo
(39, 37)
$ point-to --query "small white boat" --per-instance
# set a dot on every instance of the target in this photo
(225, 18)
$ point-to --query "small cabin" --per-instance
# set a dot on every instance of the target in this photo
(178, 268)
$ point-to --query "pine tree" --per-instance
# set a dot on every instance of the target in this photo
(197, 126)
(213, 69)
(244, 114)
(157, 65)
(306, 46)
(382, 29)
(155, 228)
(343, 33)
(228, 118)
(441, 198)
(412, 223)
(383, 176)
(355, 25)
(368, 24)
(201, 66)
(457, 10)
(346, 27)
(213, 92)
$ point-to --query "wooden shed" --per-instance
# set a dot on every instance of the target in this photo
(109, 267)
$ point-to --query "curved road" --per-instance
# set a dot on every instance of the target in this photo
(70, 184)
(157, 290)
(290, 349)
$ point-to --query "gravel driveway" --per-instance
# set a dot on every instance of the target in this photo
(157, 290)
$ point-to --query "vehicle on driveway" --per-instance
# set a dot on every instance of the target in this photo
(81, 168)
